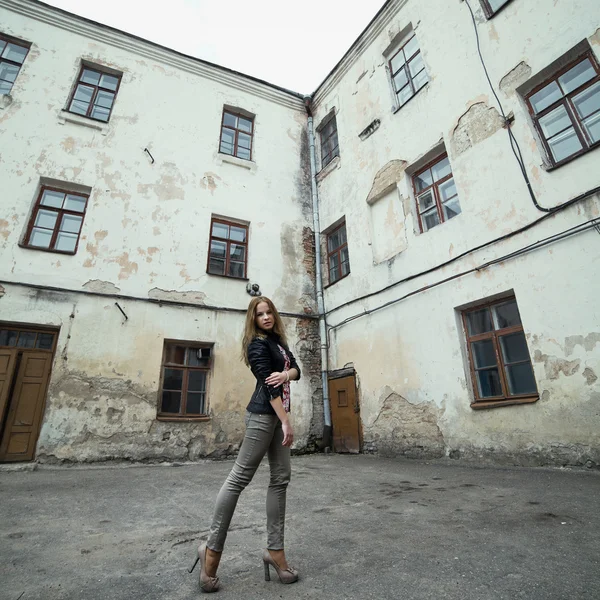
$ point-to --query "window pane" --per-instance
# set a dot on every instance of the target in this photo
(46, 219)
(334, 261)
(171, 401)
(345, 268)
(483, 354)
(66, 242)
(397, 62)
(237, 234)
(404, 95)
(430, 219)
(84, 93)
(109, 81)
(237, 252)
(104, 99)
(71, 223)
(195, 404)
(423, 180)
(8, 337)
(229, 120)
(334, 240)
(577, 76)
(416, 65)
(479, 321)
(411, 47)
(565, 144)
(420, 80)
(426, 201)
(588, 101)
(506, 314)
(592, 126)
(488, 382)
(175, 355)
(8, 72)
(100, 113)
(441, 169)
(545, 97)
(497, 4)
(334, 274)
(220, 230)
(451, 208)
(79, 107)
(173, 379)
(243, 153)
(218, 249)
(447, 189)
(216, 266)
(40, 238)
(198, 357)
(244, 140)
(197, 381)
(44, 341)
(555, 121)
(75, 203)
(514, 348)
(53, 199)
(344, 254)
(227, 140)
(400, 79)
(520, 379)
(15, 53)
(236, 269)
(2, 46)
(245, 125)
(5, 87)
(89, 76)
(26, 339)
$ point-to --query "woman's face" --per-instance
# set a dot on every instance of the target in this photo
(264, 317)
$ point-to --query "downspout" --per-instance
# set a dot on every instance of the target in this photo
(327, 429)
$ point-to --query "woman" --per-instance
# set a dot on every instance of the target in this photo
(268, 431)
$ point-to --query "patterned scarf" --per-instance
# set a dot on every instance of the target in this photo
(286, 399)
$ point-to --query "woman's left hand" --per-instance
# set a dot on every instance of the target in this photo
(276, 379)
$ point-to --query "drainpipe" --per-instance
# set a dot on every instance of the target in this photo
(326, 441)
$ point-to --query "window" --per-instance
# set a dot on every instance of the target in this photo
(228, 253)
(22, 338)
(491, 7)
(329, 141)
(566, 110)
(94, 93)
(408, 71)
(12, 56)
(185, 369)
(56, 220)
(437, 198)
(498, 354)
(236, 135)
(337, 254)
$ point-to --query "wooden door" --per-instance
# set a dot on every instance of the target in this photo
(26, 406)
(345, 415)
(8, 359)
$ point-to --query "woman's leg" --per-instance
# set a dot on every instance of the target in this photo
(281, 470)
(257, 440)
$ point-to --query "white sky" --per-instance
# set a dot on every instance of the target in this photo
(293, 45)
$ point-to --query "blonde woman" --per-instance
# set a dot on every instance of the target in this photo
(268, 431)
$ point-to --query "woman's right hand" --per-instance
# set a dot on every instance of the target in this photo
(288, 434)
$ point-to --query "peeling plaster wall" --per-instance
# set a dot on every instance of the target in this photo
(415, 385)
(146, 235)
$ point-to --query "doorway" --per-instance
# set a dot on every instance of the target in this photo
(345, 412)
(26, 355)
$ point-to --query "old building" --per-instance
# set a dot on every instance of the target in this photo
(457, 179)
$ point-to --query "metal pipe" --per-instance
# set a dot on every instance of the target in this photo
(319, 277)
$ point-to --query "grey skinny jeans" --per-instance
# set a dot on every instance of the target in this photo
(263, 436)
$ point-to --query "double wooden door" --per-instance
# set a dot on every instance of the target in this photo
(24, 376)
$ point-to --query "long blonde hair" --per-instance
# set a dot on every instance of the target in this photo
(251, 330)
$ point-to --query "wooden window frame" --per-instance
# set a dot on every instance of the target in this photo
(21, 44)
(337, 251)
(25, 329)
(182, 415)
(489, 11)
(328, 143)
(228, 241)
(506, 399)
(233, 113)
(407, 71)
(60, 212)
(97, 88)
(566, 101)
(435, 187)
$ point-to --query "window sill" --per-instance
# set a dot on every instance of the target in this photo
(63, 252)
(173, 419)
(228, 276)
(329, 168)
(336, 281)
(66, 117)
(234, 160)
(397, 108)
(498, 403)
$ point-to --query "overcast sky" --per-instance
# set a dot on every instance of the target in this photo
(293, 45)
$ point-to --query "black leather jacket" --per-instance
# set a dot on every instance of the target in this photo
(265, 358)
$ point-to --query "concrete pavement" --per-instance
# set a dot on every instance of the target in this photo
(358, 527)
